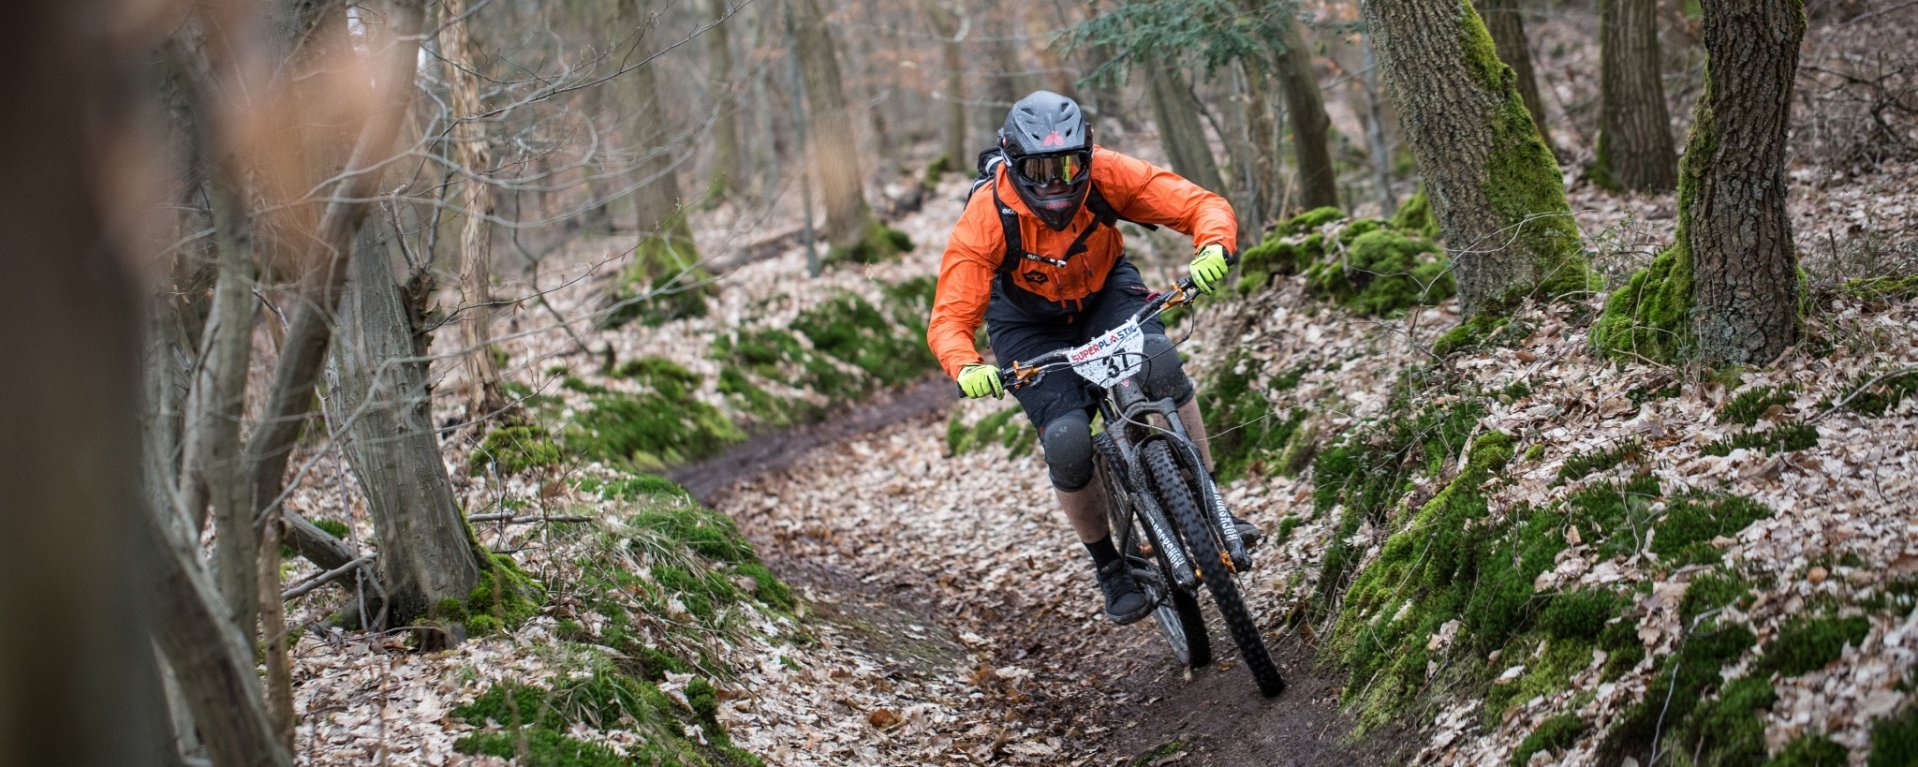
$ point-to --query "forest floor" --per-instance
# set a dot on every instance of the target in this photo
(945, 615)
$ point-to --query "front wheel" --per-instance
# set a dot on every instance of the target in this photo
(1177, 612)
(1175, 494)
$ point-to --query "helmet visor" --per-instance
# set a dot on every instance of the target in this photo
(1054, 169)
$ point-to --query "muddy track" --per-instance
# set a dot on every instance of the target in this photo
(1110, 695)
(772, 451)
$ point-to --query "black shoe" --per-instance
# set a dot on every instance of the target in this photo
(1249, 534)
(1125, 603)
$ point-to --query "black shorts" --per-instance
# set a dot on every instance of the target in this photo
(1017, 337)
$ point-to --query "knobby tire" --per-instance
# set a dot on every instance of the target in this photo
(1176, 496)
(1185, 618)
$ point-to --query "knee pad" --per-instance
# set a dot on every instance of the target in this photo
(1067, 440)
(1164, 372)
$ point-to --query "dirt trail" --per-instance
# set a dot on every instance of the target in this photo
(877, 528)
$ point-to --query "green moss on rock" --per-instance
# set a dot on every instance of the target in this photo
(651, 430)
(1586, 464)
(1383, 272)
(1416, 215)
(515, 449)
(1692, 521)
(664, 283)
(1247, 429)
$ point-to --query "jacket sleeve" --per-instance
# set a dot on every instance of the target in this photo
(973, 253)
(1150, 194)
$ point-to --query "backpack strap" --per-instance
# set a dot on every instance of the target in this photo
(1103, 214)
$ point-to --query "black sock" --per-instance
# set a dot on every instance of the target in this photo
(1102, 551)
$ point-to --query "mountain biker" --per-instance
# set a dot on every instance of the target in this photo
(1055, 200)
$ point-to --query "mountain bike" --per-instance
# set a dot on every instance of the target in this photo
(1166, 514)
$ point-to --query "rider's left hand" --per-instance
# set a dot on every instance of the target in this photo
(1208, 268)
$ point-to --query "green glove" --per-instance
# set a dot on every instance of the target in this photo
(978, 380)
(1208, 268)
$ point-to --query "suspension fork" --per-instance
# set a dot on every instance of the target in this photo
(1125, 461)
(1188, 452)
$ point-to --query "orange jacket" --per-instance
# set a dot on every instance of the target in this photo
(1137, 190)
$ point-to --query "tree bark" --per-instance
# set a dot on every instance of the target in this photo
(1635, 149)
(75, 652)
(303, 350)
(728, 161)
(833, 153)
(484, 394)
(952, 26)
(1262, 127)
(1180, 131)
(1745, 280)
(1507, 24)
(426, 552)
(1494, 184)
(213, 663)
(1311, 129)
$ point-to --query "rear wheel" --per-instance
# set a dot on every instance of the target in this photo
(1180, 504)
(1177, 612)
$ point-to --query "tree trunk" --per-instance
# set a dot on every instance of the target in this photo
(212, 662)
(1311, 129)
(1635, 131)
(728, 161)
(1746, 283)
(832, 152)
(1507, 24)
(952, 26)
(426, 551)
(484, 395)
(1180, 131)
(1378, 114)
(1727, 291)
(1262, 128)
(303, 350)
(74, 616)
(1496, 187)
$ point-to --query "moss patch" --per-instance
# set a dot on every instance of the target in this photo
(879, 243)
(1382, 272)
(1752, 404)
(1416, 215)
(1425, 575)
(850, 329)
(1883, 288)
(515, 449)
(1811, 751)
(1008, 428)
(1245, 428)
(1807, 644)
(1553, 735)
(1873, 398)
(1894, 742)
(1586, 464)
(1366, 265)
(650, 431)
(665, 281)
(604, 699)
(1783, 438)
(1682, 681)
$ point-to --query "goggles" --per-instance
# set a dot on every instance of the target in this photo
(1049, 169)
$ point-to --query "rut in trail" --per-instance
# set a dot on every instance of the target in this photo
(959, 567)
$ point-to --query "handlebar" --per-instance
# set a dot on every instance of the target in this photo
(1022, 374)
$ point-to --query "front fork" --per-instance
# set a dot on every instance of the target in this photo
(1208, 489)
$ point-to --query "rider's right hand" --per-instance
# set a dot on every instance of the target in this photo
(978, 380)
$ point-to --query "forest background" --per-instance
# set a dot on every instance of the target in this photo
(482, 380)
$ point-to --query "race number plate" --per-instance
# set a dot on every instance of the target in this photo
(1111, 358)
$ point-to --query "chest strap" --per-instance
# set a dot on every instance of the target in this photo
(1103, 214)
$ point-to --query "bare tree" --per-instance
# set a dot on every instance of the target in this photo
(832, 153)
(1180, 131)
(1311, 128)
(469, 135)
(952, 24)
(729, 163)
(1635, 130)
